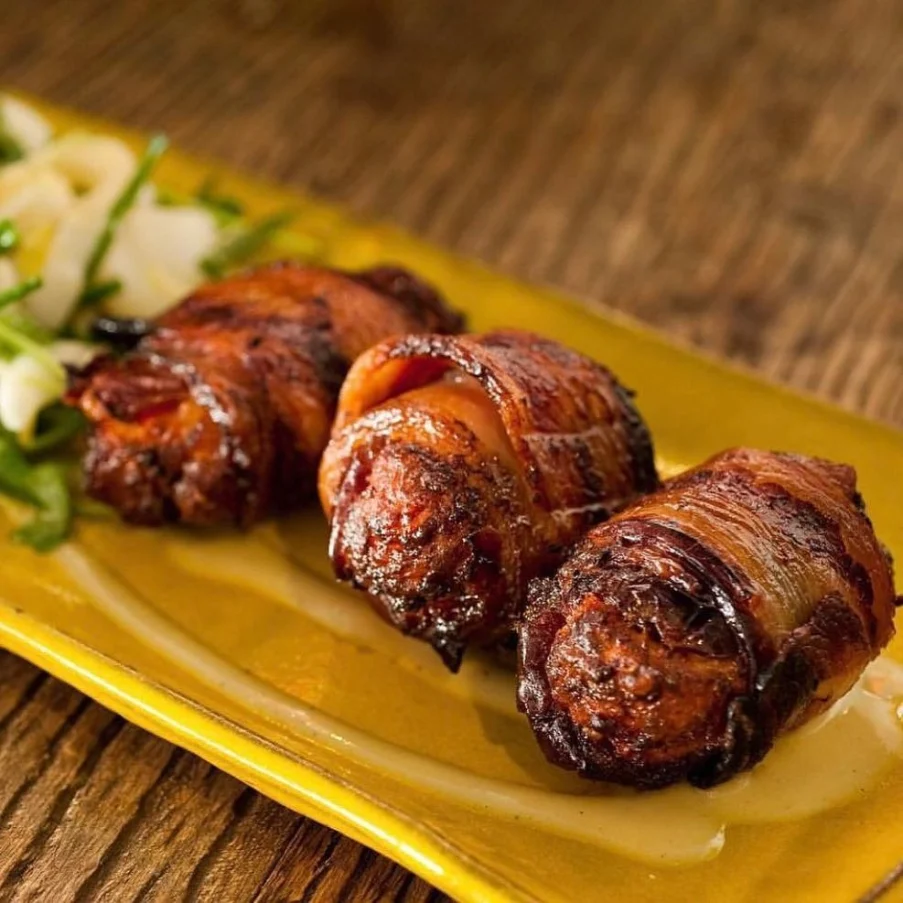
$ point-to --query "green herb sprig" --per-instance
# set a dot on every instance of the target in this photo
(53, 520)
(100, 291)
(20, 341)
(29, 327)
(10, 149)
(224, 207)
(9, 236)
(155, 149)
(39, 483)
(42, 485)
(21, 290)
(19, 324)
(57, 425)
(243, 246)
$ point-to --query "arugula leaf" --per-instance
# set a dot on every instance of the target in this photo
(152, 153)
(9, 236)
(245, 244)
(53, 520)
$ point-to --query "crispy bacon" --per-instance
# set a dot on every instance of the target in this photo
(689, 631)
(221, 413)
(460, 467)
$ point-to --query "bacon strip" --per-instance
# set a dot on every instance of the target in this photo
(460, 467)
(221, 413)
(684, 635)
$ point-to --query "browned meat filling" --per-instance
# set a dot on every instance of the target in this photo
(221, 413)
(459, 469)
(681, 637)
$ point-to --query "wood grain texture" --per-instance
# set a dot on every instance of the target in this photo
(730, 171)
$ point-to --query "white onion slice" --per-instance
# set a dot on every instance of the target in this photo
(33, 197)
(26, 387)
(9, 275)
(90, 162)
(67, 259)
(28, 128)
(156, 255)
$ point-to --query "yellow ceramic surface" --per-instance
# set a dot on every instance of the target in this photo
(243, 650)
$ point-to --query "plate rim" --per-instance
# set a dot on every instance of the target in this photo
(189, 725)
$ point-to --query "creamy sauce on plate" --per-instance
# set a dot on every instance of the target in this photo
(834, 760)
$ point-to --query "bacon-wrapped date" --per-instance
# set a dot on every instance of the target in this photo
(221, 412)
(461, 466)
(686, 633)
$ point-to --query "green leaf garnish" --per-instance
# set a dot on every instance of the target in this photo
(245, 244)
(99, 292)
(22, 342)
(43, 486)
(53, 520)
(56, 426)
(152, 153)
(168, 198)
(224, 207)
(18, 341)
(18, 292)
(27, 326)
(10, 149)
(15, 471)
(9, 236)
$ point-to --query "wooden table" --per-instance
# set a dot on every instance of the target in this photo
(728, 170)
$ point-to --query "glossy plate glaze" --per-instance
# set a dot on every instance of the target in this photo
(242, 649)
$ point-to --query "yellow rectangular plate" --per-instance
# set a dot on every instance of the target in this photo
(252, 658)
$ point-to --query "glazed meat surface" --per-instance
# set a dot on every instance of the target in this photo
(460, 467)
(221, 412)
(686, 633)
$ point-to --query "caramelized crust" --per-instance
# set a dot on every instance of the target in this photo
(460, 467)
(741, 600)
(222, 412)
